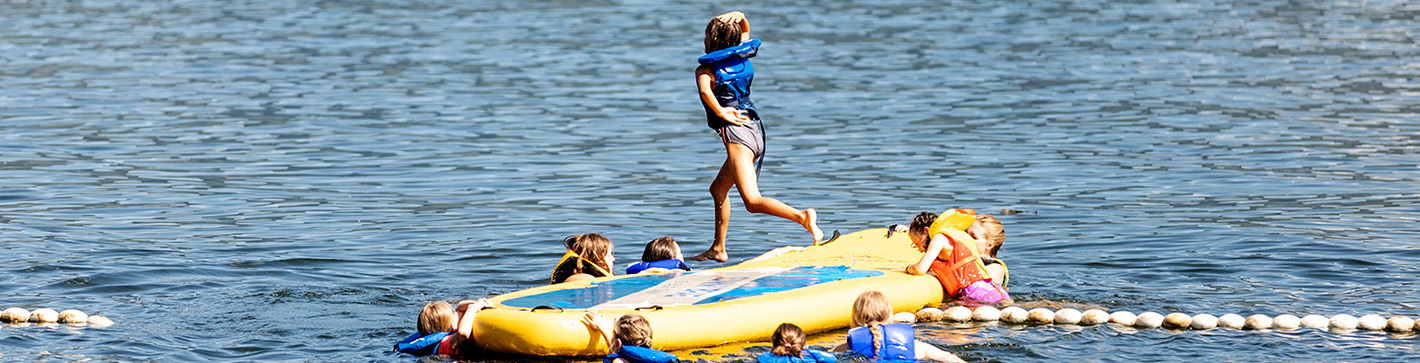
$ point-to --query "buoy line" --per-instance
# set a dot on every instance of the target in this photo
(1147, 320)
(46, 316)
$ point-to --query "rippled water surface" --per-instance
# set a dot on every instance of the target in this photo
(292, 180)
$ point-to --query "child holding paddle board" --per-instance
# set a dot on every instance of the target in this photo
(629, 339)
(952, 245)
(723, 79)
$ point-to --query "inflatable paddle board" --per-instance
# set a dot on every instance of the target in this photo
(813, 288)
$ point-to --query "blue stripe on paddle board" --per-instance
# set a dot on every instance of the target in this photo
(604, 292)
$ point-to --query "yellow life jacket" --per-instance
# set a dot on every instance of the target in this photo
(573, 257)
(964, 267)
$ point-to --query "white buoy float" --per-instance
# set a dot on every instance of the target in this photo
(1040, 316)
(99, 321)
(1068, 316)
(1343, 322)
(1400, 324)
(1231, 321)
(72, 316)
(1204, 322)
(1257, 322)
(1315, 321)
(958, 314)
(1124, 318)
(1286, 322)
(930, 314)
(1177, 321)
(1094, 317)
(905, 317)
(1014, 314)
(44, 316)
(986, 313)
(15, 315)
(1371, 322)
(1148, 319)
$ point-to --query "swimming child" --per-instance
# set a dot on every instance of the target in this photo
(873, 337)
(788, 342)
(951, 246)
(661, 255)
(723, 79)
(442, 328)
(588, 256)
(629, 341)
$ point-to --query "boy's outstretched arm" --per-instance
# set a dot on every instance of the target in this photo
(737, 17)
(469, 309)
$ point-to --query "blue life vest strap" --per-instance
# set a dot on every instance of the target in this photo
(899, 342)
(670, 264)
(420, 345)
(635, 354)
(744, 50)
(808, 356)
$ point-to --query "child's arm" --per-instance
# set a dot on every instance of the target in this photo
(737, 17)
(928, 351)
(705, 79)
(467, 309)
(840, 348)
(603, 326)
(935, 247)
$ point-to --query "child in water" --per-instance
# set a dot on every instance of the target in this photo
(629, 341)
(989, 235)
(661, 255)
(788, 342)
(442, 328)
(873, 337)
(723, 79)
(588, 256)
(956, 261)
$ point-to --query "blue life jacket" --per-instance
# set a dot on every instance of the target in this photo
(420, 345)
(733, 76)
(809, 356)
(669, 264)
(899, 342)
(635, 354)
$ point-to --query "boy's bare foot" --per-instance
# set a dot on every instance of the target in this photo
(812, 226)
(719, 256)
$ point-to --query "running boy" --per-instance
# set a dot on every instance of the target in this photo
(724, 78)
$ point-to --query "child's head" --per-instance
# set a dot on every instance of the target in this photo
(437, 316)
(871, 308)
(593, 248)
(633, 329)
(720, 35)
(989, 233)
(788, 340)
(917, 231)
(664, 248)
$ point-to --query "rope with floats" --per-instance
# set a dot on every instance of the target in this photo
(47, 316)
(1148, 320)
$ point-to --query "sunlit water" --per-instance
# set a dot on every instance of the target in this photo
(292, 180)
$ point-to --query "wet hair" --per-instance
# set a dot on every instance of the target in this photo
(633, 329)
(995, 232)
(662, 248)
(720, 35)
(591, 249)
(872, 309)
(921, 222)
(437, 316)
(788, 340)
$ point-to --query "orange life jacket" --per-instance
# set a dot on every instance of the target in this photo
(964, 267)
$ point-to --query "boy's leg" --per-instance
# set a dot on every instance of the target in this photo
(741, 163)
(720, 192)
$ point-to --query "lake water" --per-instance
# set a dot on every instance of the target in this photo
(292, 180)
